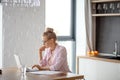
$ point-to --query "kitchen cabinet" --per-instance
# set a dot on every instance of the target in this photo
(105, 22)
(99, 70)
(105, 7)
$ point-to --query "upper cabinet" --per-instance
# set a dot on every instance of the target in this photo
(105, 7)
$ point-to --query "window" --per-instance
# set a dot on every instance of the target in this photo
(59, 16)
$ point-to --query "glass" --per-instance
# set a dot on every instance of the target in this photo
(58, 16)
(23, 78)
(23, 70)
(112, 7)
(99, 8)
(45, 41)
(105, 7)
(94, 8)
(118, 7)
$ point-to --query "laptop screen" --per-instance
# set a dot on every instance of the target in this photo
(17, 59)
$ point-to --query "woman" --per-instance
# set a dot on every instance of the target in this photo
(55, 58)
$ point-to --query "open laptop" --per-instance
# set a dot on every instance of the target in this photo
(19, 64)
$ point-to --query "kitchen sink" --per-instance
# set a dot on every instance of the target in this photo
(110, 57)
(117, 58)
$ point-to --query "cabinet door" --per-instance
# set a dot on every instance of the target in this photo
(107, 70)
(87, 68)
(119, 72)
(99, 70)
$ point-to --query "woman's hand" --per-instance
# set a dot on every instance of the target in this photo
(42, 48)
(37, 66)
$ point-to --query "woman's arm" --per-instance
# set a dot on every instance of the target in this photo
(43, 61)
(40, 55)
(42, 48)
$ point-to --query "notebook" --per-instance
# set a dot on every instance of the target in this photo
(45, 72)
(19, 64)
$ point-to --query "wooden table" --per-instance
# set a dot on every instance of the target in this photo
(15, 74)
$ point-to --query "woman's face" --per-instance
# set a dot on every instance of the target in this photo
(47, 42)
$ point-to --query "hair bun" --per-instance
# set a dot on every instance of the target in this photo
(49, 30)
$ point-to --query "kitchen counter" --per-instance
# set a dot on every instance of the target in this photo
(98, 68)
(99, 58)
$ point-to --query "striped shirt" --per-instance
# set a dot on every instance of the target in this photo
(57, 61)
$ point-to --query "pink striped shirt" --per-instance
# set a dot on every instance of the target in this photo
(57, 61)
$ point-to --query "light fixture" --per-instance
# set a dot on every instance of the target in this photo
(20, 3)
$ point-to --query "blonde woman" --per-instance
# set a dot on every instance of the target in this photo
(55, 58)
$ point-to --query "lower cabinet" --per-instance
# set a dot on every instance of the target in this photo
(99, 70)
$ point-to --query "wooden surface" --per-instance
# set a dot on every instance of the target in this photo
(97, 1)
(15, 74)
(114, 14)
(100, 59)
(66, 76)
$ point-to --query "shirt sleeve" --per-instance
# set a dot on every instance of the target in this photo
(60, 59)
(43, 62)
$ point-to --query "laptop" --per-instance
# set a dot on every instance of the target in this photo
(19, 64)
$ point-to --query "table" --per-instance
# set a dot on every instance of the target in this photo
(13, 73)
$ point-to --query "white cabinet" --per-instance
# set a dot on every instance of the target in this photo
(119, 70)
(99, 70)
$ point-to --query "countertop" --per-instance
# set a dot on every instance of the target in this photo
(99, 58)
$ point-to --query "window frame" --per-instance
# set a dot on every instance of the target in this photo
(72, 36)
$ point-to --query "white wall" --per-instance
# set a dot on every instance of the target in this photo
(0, 36)
(22, 31)
(80, 28)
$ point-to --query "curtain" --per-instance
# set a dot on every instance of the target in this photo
(89, 27)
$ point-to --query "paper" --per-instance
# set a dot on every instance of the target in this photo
(46, 72)
(29, 69)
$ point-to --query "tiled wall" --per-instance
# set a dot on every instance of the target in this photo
(22, 30)
(0, 36)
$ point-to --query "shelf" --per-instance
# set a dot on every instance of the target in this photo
(117, 14)
(101, 1)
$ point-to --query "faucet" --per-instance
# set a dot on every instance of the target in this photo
(115, 49)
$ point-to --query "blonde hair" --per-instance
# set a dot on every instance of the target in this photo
(50, 34)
